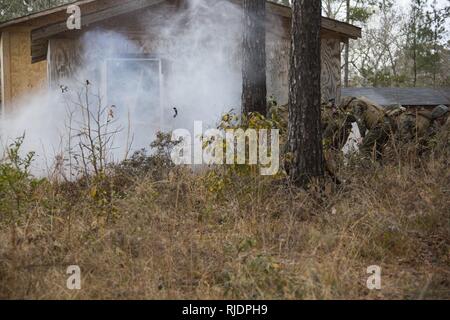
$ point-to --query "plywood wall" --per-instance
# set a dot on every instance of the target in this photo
(19, 76)
(278, 56)
(63, 59)
(278, 51)
(331, 69)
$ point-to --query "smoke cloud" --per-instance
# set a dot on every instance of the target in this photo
(185, 67)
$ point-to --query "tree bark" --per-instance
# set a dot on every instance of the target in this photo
(254, 88)
(305, 130)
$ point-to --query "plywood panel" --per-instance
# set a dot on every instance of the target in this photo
(331, 69)
(277, 50)
(5, 54)
(20, 77)
(64, 59)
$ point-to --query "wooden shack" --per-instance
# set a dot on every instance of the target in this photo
(38, 51)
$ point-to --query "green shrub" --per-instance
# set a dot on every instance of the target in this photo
(17, 185)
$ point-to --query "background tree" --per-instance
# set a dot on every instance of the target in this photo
(413, 51)
(416, 36)
(305, 136)
(254, 87)
(425, 48)
(436, 19)
(375, 57)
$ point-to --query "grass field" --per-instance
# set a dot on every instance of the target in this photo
(145, 232)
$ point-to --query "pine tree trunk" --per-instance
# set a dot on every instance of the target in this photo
(305, 132)
(254, 90)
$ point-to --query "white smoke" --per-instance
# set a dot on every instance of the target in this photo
(199, 50)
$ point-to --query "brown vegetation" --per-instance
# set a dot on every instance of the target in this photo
(175, 234)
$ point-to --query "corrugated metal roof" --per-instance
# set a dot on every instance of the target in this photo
(403, 96)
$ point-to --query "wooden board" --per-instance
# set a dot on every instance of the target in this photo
(331, 69)
(64, 58)
(277, 51)
(19, 76)
(25, 76)
(6, 71)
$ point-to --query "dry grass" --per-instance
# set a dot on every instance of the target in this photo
(250, 238)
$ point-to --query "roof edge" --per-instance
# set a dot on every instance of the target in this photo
(343, 28)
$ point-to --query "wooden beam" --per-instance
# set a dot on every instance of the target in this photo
(336, 26)
(91, 18)
(342, 28)
(277, 9)
(5, 57)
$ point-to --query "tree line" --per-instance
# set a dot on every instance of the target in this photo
(400, 47)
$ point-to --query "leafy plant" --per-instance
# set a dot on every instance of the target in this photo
(16, 183)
